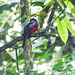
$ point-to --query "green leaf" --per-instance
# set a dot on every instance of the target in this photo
(73, 11)
(45, 43)
(68, 24)
(45, 55)
(62, 30)
(70, 6)
(38, 3)
(51, 2)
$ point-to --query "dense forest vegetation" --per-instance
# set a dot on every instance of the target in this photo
(48, 51)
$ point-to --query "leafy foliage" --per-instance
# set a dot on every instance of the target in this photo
(50, 55)
(63, 32)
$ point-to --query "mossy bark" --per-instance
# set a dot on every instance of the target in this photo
(25, 13)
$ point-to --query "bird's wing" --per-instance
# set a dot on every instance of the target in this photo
(32, 25)
(29, 26)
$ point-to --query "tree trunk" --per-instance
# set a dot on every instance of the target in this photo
(28, 48)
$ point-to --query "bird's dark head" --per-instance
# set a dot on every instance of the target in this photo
(33, 19)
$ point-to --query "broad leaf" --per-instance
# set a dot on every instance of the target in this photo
(62, 30)
(73, 11)
(68, 24)
(70, 6)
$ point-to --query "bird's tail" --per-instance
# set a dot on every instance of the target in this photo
(24, 40)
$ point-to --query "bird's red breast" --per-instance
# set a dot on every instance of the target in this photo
(34, 29)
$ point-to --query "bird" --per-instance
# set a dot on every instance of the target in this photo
(29, 28)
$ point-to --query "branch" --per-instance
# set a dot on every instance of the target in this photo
(58, 16)
(11, 43)
(51, 14)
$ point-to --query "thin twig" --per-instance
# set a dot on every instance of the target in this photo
(17, 59)
(58, 16)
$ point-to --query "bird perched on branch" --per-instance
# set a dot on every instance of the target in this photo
(30, 27)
